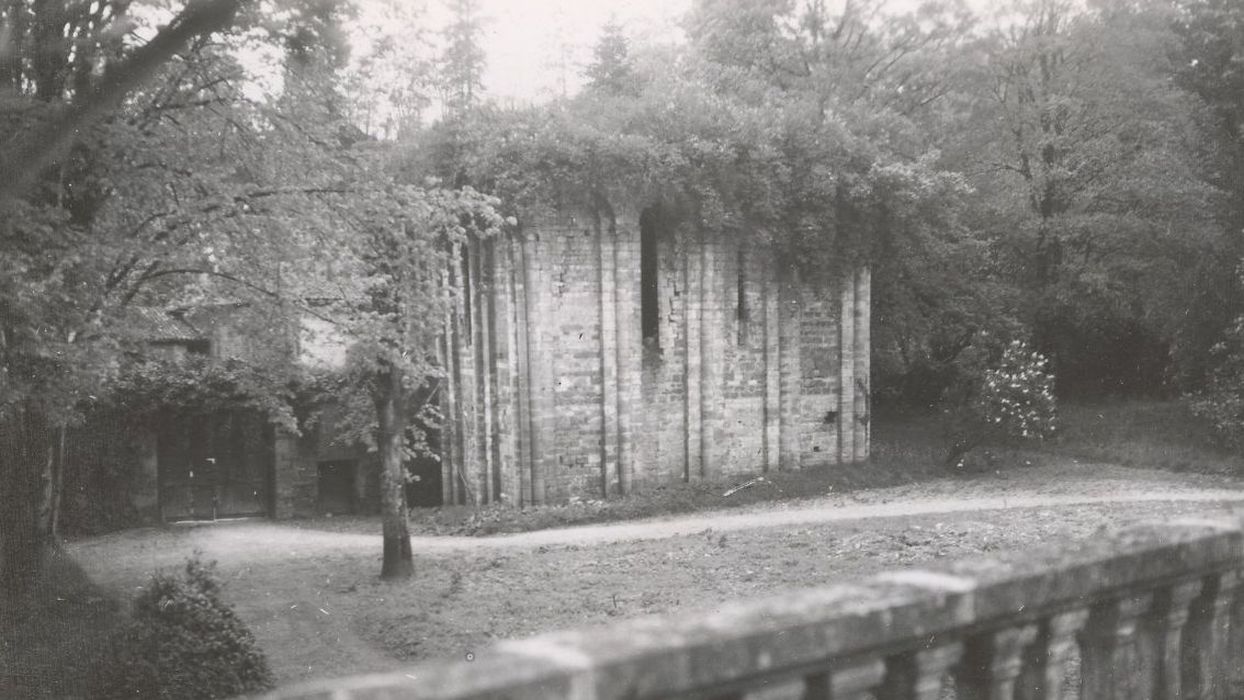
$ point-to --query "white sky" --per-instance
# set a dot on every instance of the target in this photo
(523, 38)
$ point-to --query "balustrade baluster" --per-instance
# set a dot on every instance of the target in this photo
(1110, 667)
(1235, 653)
(992, 663)
(1042, 676)
(1207, 661)
(918, 675)
(1166, 626)
(846, 681)
(774, 689)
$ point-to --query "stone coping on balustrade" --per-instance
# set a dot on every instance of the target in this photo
(695, 653)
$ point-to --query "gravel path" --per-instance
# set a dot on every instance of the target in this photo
(240, 541)
(804, 515)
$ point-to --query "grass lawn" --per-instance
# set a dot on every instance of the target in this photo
(1148, 434)
(309, 590)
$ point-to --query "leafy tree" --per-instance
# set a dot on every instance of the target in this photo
(859, 56)
(98, 85)
(390, 305)
(1092, 198)
(187, 193)
(1207, 62)
(66, 70)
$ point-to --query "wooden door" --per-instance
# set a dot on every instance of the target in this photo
(215, 465)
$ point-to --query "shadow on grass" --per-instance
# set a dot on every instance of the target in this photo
(50, 637)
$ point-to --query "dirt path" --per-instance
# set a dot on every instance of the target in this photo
(806, 515)
(243, 541)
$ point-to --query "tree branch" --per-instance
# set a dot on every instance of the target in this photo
(35, 153)
(236, 280)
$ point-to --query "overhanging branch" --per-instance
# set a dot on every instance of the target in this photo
(35, 153)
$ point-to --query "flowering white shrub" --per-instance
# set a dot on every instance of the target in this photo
(1013, 399)
(1018, 394)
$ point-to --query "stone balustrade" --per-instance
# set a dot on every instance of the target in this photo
(1148, 613)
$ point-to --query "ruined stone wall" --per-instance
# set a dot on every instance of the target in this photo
(553, 393)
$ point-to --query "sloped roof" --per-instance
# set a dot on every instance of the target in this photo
(160, 326)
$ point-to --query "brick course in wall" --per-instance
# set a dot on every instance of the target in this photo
(554, 394)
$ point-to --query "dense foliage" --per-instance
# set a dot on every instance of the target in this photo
(769, 167)
(1042, 172)
(181, 641)
(191, 193)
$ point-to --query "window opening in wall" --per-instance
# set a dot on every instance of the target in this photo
(336, 488)
(650, 317)
(466, 293)
(741, 310)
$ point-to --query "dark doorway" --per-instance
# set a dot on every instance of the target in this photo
(336, 487)
(215, 465)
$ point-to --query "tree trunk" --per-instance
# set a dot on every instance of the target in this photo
(26, 469)
(53, 487)
(391, 410)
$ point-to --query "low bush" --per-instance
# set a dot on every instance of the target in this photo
(181, 641)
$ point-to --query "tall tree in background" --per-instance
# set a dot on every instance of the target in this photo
(316, 53)
(390, 80)
(463, 59)
(610, 69)
(860, 54)
(1093, 200)
(52, 50)
(312, 32)
(1209, 63)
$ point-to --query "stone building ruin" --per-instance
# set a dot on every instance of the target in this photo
(589, 356)
(585, 357)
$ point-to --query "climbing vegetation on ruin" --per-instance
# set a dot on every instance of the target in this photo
(725, 149)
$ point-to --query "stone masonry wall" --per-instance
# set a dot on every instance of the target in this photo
(553, 394)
